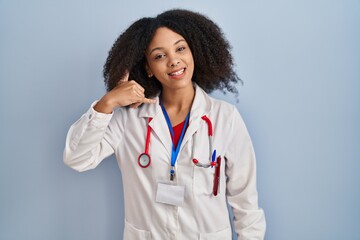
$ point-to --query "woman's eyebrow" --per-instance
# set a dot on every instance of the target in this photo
(179, 41)
(160, 48)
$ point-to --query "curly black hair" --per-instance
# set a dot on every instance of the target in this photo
(211, 52)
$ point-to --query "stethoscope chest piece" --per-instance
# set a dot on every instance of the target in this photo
(144, 160)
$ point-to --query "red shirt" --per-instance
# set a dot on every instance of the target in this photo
(177, 132)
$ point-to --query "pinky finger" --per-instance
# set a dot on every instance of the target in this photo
(148, 100)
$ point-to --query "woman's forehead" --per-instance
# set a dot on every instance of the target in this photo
(164, 37)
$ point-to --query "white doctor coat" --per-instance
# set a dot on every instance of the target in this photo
(202, 215)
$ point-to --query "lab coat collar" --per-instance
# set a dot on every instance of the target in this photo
(201, 106)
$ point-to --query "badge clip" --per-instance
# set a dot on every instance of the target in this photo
(172, 173)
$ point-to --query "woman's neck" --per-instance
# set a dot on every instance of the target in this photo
(178, 103)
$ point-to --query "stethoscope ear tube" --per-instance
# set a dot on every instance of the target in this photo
(197, 163)
(212, 151)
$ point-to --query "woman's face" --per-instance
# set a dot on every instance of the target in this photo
(169, 58)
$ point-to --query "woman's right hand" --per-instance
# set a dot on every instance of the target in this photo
(124, 94)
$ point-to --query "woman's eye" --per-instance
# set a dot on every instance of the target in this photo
(180, 49)
(159, 56)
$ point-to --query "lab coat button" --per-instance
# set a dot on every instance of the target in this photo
(90, 115)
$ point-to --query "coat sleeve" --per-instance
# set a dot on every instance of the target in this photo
(249, 219)
(91, 139)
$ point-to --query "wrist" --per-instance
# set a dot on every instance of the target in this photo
(104, 106)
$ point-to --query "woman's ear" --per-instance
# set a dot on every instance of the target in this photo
(148, 70)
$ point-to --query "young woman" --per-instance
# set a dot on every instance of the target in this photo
(183, 155)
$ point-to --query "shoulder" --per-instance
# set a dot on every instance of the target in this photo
(213, 105)
(222, 106)
(225, 113)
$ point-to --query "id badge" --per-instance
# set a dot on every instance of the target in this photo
(170, 194)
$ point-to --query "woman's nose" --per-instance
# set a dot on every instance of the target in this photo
(173, 62)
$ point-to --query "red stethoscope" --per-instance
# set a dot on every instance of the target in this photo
(144, 158)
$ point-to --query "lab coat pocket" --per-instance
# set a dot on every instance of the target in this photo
(203, 181)
(224, 234)
(133, 233)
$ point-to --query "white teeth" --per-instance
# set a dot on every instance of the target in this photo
(177, 73)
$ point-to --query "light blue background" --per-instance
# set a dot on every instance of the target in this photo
(300, 61)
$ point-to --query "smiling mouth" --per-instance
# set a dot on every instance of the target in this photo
(177, 73)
